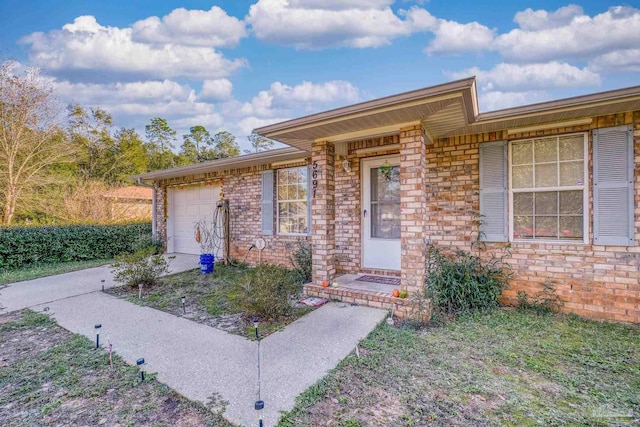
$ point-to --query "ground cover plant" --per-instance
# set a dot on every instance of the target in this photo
(513, 368)
(49, 376)
(223, 299)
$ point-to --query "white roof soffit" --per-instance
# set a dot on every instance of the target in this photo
(447, 107)
(243, 161)
(562, 111)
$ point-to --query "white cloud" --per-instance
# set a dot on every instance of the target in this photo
(314, 24)
(210, 28)
(627, 60)
(530, 76)
(99, 52)
(533, 20)
(453, 37)
(580, 37)
(497, 100)
(219, 89)
(340, 4)
(307, 96)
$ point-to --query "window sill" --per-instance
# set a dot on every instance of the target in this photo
(551, 242)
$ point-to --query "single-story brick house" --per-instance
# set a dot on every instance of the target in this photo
(371, 185)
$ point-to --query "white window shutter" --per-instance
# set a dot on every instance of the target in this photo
(613, 186)
(267, 202)
(493, 191)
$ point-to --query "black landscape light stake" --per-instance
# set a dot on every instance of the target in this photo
(97, 328)
(259, 407)
(102, 281)
(110, 351)
(140, 362)
(140, 291)
(184, 310)
(255, 326)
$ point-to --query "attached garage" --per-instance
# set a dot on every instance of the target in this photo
(186, 206)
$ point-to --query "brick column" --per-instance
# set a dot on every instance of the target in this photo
(161, 220)
(323, 212)
(412, 208)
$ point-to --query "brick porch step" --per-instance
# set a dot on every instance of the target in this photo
(400, 307)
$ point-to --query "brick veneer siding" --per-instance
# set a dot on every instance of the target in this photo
(412, 208)
(348, 213)
(601, 282)
(323, 230)
(243, 189)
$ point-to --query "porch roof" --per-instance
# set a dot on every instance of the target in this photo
(445, 110)
(440, 109)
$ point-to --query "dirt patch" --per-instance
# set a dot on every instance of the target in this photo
(52, 377)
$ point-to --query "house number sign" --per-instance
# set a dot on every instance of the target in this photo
(314, 175)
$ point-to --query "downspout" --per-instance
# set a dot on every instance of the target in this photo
(154, 215)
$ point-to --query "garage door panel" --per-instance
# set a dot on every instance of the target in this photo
(189, 206)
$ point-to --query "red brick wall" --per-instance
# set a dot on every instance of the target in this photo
(243, 189)
(601, 282)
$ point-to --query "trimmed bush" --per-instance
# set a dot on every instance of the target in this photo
(266, 291)
(143, 267)
(463, 283)
(27, 246)
(301, 261)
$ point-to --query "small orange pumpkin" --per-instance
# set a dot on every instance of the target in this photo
(396, 293)
(325, 284)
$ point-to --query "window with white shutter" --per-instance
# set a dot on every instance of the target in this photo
(267, 202)
(613, 186)
(493, 192)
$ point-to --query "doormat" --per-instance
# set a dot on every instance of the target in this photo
(380, 279)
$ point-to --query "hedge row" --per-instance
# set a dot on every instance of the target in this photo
(27, 246)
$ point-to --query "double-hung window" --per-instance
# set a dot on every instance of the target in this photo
(292, 200)
(548, 188)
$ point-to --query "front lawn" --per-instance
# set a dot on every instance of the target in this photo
(43, 270)
(207, 300)
(505, 368)
(49, 376)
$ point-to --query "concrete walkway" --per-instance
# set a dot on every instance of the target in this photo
(198, 361)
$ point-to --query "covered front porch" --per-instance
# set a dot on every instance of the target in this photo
(369, 189)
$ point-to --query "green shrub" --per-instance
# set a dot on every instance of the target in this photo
(141, 267)
(462, 283)
(301, 261)
(27, 246)
(544, 302)
(266, 291)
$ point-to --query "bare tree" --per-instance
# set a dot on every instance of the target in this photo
(31, 142)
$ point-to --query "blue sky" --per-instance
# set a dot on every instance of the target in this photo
(236, 65)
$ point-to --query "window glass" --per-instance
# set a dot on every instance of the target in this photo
(547, 188)
(293, 214)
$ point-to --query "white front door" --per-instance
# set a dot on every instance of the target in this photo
(381, 213)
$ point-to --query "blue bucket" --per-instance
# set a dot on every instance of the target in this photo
(206, 263)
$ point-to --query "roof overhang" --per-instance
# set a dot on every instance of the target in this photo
(440, 109)
(238, 162)
(554, 114)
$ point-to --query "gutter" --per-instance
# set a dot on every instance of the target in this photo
(154, 215)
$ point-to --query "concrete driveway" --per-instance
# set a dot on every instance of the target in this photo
(31, 293)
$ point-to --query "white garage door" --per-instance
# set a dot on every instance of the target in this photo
(186, 207)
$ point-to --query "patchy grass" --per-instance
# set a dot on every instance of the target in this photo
(43, 270)
(207, 300)
(503, 368)
(49, 376)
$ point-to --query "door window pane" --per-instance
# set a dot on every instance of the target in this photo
(385, 202)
